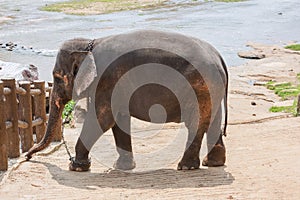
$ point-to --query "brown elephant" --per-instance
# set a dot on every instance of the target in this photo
(154, 76)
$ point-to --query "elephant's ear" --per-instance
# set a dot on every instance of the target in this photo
(84, 70)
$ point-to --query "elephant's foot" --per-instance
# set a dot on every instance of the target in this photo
(79, 165)
(216, 157)
(124, 163)
(188, 164)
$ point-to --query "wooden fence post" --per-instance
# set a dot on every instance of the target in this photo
(50, 85)
(25, 114)
(3, 134)
(40, 109)
(12, 116)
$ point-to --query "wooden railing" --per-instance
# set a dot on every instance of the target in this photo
(23, 117)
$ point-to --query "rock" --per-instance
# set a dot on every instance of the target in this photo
(284, 103)
(251, 55)
(9, 44)
(253, 103)
(260, 83)
(19, 71)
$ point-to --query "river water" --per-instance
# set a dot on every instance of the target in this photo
(227, 26)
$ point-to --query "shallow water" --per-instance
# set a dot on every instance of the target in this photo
(227, 26)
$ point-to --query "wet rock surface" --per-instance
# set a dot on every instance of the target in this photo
(20, 72)
(11, 46)
(251, 55)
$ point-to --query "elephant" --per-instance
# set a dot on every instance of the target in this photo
(154, 76)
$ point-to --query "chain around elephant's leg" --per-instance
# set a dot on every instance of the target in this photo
(81, 162)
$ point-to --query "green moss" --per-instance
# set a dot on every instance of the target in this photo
(295, 47)
(73, 4)
(271, 85)
(298, 76)
(104, 6)
(285, 94)
(281, 109)
(287, 109)
(285, 91)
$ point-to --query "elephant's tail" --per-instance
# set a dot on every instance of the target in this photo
(226, 114)
(225, 100)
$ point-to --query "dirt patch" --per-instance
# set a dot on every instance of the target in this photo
(262, 153)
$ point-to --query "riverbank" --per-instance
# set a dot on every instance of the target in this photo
(94, 7)
(262, 152)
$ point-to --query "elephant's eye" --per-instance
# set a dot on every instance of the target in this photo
(58, 80)
(75, 68)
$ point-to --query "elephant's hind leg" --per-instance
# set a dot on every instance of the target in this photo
(190, 159)
(216, 156)
(121, 131)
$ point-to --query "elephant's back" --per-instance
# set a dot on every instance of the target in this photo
(188, 55)
(182, 45)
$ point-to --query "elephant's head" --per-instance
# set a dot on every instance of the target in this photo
(73, 73)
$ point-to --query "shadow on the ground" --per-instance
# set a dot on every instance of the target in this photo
(158, 179)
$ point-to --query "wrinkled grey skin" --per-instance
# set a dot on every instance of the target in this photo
(79, 73)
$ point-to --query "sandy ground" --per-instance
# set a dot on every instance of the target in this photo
(263, 153)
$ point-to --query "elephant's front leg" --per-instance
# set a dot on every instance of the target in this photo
(121, 131)
(81, 162)
(90, 133)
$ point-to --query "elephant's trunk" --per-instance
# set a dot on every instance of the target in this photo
(56, 108)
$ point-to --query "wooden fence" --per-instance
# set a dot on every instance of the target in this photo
(22, 113)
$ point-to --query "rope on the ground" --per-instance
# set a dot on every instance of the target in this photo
(54, 149)
(262, 120)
